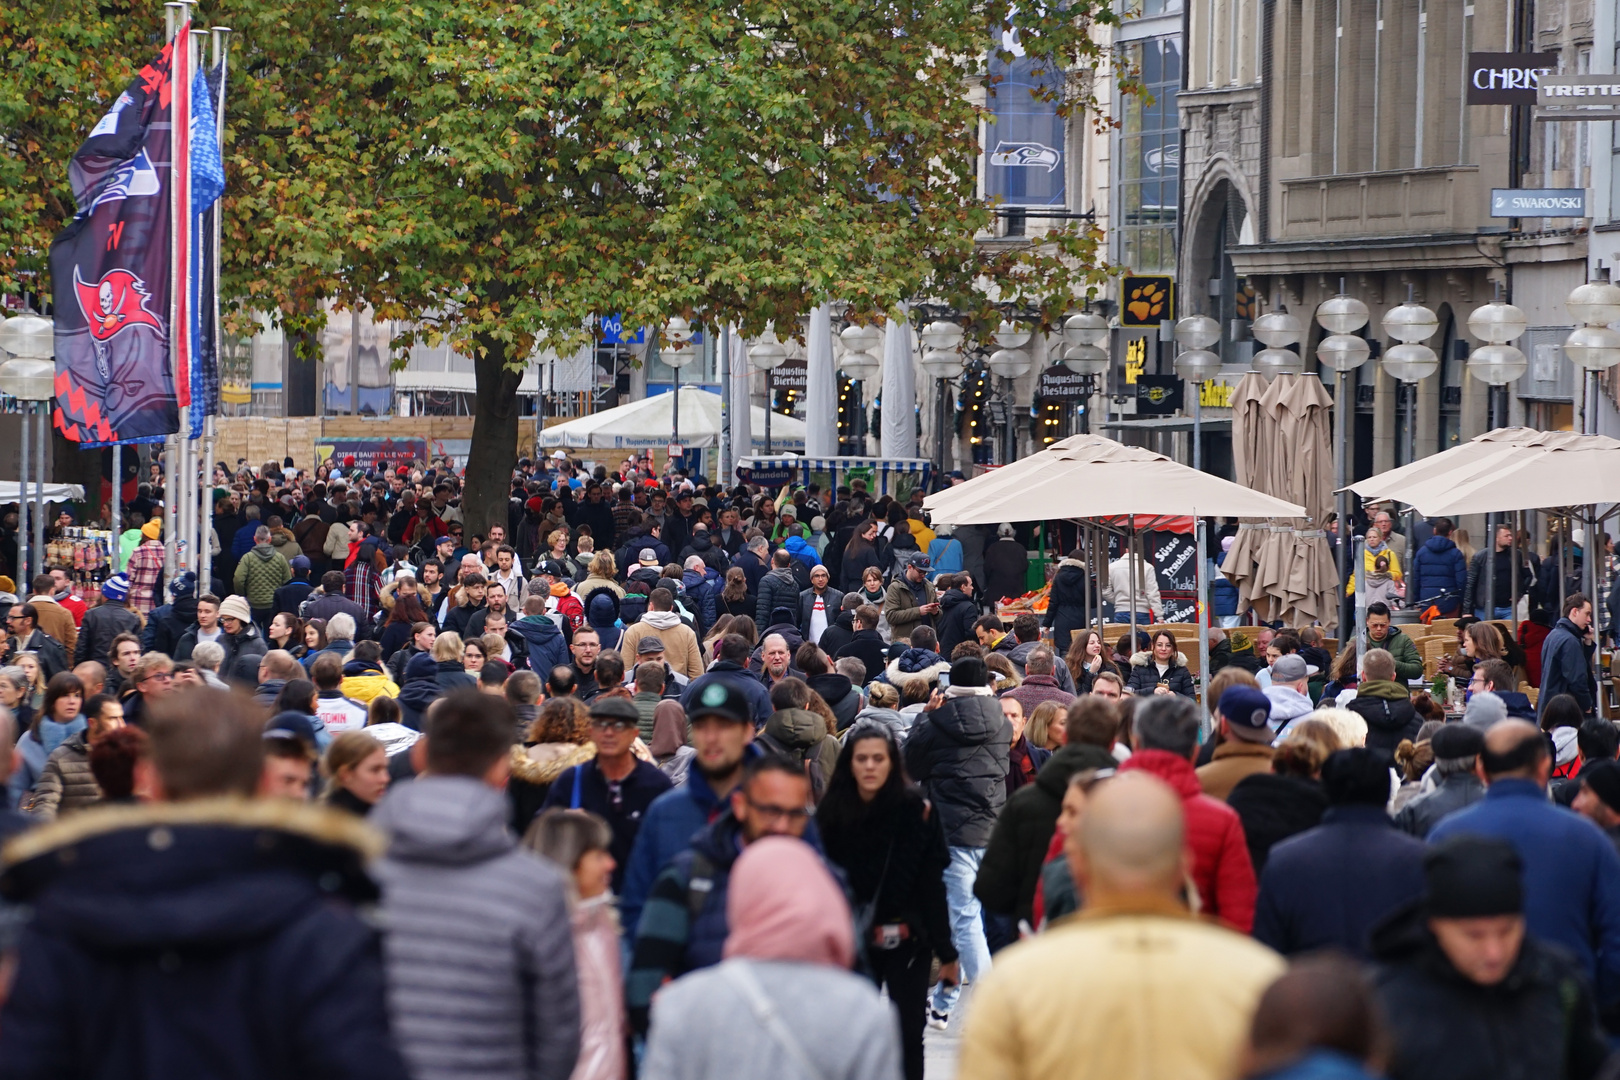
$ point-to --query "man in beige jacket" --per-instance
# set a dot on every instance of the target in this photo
(1159, 992)
(681, 649)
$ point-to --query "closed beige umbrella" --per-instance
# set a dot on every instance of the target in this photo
(1309, 578)
(1251, 460)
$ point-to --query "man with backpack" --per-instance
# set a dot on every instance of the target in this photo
(799, 735)
(615, 785)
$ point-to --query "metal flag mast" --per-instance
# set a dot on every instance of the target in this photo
(205, 551)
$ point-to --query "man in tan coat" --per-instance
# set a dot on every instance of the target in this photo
(1244, 715)
(681, 649)
(54, 619)
(1165, 994)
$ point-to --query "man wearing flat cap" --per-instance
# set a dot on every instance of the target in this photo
(616, 785)
(1467, 988)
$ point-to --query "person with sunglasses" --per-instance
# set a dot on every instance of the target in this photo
(616, 785)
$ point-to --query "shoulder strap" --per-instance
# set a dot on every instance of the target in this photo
(764, 1010)
(699, 884)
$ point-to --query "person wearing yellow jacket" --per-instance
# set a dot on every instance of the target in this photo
(364, 676)
(1169, 995)
(1381, 566)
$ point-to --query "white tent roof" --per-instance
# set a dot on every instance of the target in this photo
(1089, 476)
(53, 492)
(1505, 469)
(650, 423)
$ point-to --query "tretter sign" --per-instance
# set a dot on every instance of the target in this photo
(1507, 78)
(1591, 96)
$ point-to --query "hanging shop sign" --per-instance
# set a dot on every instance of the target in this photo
(1538, 202)
(1507, 78)
(1590, 96)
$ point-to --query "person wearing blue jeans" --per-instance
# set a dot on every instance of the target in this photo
(967, 930)
(957, 752)
(1496, 613)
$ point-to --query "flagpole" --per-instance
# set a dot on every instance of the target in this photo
(171, 534)
(205, 552)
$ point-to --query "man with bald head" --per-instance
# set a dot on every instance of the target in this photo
(1571, 870)
(1180, 991)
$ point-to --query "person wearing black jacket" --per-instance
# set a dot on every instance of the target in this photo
(598, 514)
(866, 644)
(860, 553)
(1066, 604)
(886, 838)
(1502, 581)
(957, 611)
(1456, 1006)
(1164, 666)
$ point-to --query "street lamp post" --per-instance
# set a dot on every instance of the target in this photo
(679, 331)
(1410, 362)
(1197, 364)
(1277, 330)
(942, 360)
(1496, 363)
(767, 354)
(1344, 351)
(30, 377)
(1085, 332)
(860, 361)
(1009, 362)
(1594, 347)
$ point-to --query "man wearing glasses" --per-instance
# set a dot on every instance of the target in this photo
(683, 925)
(153, 679)
(22, 622)
(615, 785)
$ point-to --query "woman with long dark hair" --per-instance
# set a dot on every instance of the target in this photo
(287, 632)
(877, 827)
(1088, 654)
(735, 599)
(406, 614)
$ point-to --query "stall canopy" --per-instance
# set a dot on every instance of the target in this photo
(10, 492)
(651, 423)
(1504, 470)
(883, 476)
(1089, 476)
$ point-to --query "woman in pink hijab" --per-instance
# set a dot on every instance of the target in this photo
(783, 1003)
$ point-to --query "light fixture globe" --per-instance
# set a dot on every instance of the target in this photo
(28, 379)
(1277, 329)
(1410, 363)
(1594, 348)
(1009, 363)
(1597, 303)
(1010, 335)
(1342, 314)
(1497, 364)
(1270, 362)
(1497, 323)
(861, 339)
(1197, 331)
(766, 353)
(941, 335)
(942, 363)
(1086, 360)
(1085, 328)
(29, 337)
(679, 356)
(1343, 352)
(1198, 365)
(860, 366)
(678, 330)
(1410, 322)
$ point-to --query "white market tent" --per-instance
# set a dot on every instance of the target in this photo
(650, 423)
(1504, 470)
(10, 492)
(1089, 476)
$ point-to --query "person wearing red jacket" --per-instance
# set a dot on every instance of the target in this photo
(1165, 735)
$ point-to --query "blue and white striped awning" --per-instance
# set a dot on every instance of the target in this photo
(781, 468)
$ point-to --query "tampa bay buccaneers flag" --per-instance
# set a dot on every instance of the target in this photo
(113, 267)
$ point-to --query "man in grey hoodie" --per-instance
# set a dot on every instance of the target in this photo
(480, 957)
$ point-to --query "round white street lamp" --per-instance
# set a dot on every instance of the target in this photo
(942, 363)
(1086, 359)
(30, 377)
(1085, 328)
(1010, 335)
(1197, 332)
(1009, 363)
(1342, 314)
(941, 335)
(1278, 329)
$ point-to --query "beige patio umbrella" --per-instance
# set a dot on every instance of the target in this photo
(1505, 470)
(1089, 476)
(1251, 460)
(1309, 580)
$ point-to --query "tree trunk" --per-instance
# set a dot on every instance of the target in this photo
(494, 440)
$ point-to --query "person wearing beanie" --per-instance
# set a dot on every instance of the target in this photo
(146, 568)
(1571, 870)
(1328, 887)
(1243, 721)
(1468, 988)
(292, 595)
(1484, 711)
(105, 622)
(1598, 799)
(1456, 748)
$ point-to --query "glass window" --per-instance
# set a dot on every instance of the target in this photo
(1150, 159)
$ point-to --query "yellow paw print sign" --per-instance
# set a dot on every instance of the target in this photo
(1145, 301)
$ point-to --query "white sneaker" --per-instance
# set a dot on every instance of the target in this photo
(938, 1020)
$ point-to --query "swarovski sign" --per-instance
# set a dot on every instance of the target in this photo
(1507, 78)
(1578, 97)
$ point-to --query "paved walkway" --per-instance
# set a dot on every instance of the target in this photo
(941, 1047)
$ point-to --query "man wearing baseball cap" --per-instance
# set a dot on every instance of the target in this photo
(911, 601)
(721, 722)
(1243, 718)
(105, 622)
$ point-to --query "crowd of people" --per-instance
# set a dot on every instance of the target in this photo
(666, 779)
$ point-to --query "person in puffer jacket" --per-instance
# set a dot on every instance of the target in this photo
(1385, 704)
(547, 648)
(779, 588)
(957, 751)
(364, 677)
(1165, 734)
(67, 783)
(1438, 572)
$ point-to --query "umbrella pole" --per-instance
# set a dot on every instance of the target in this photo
(1490, 572)
(1513, 562)
(1203, 627)
(1085, 571)
(1361, 606)
(1130, 572)
(1341, 409)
